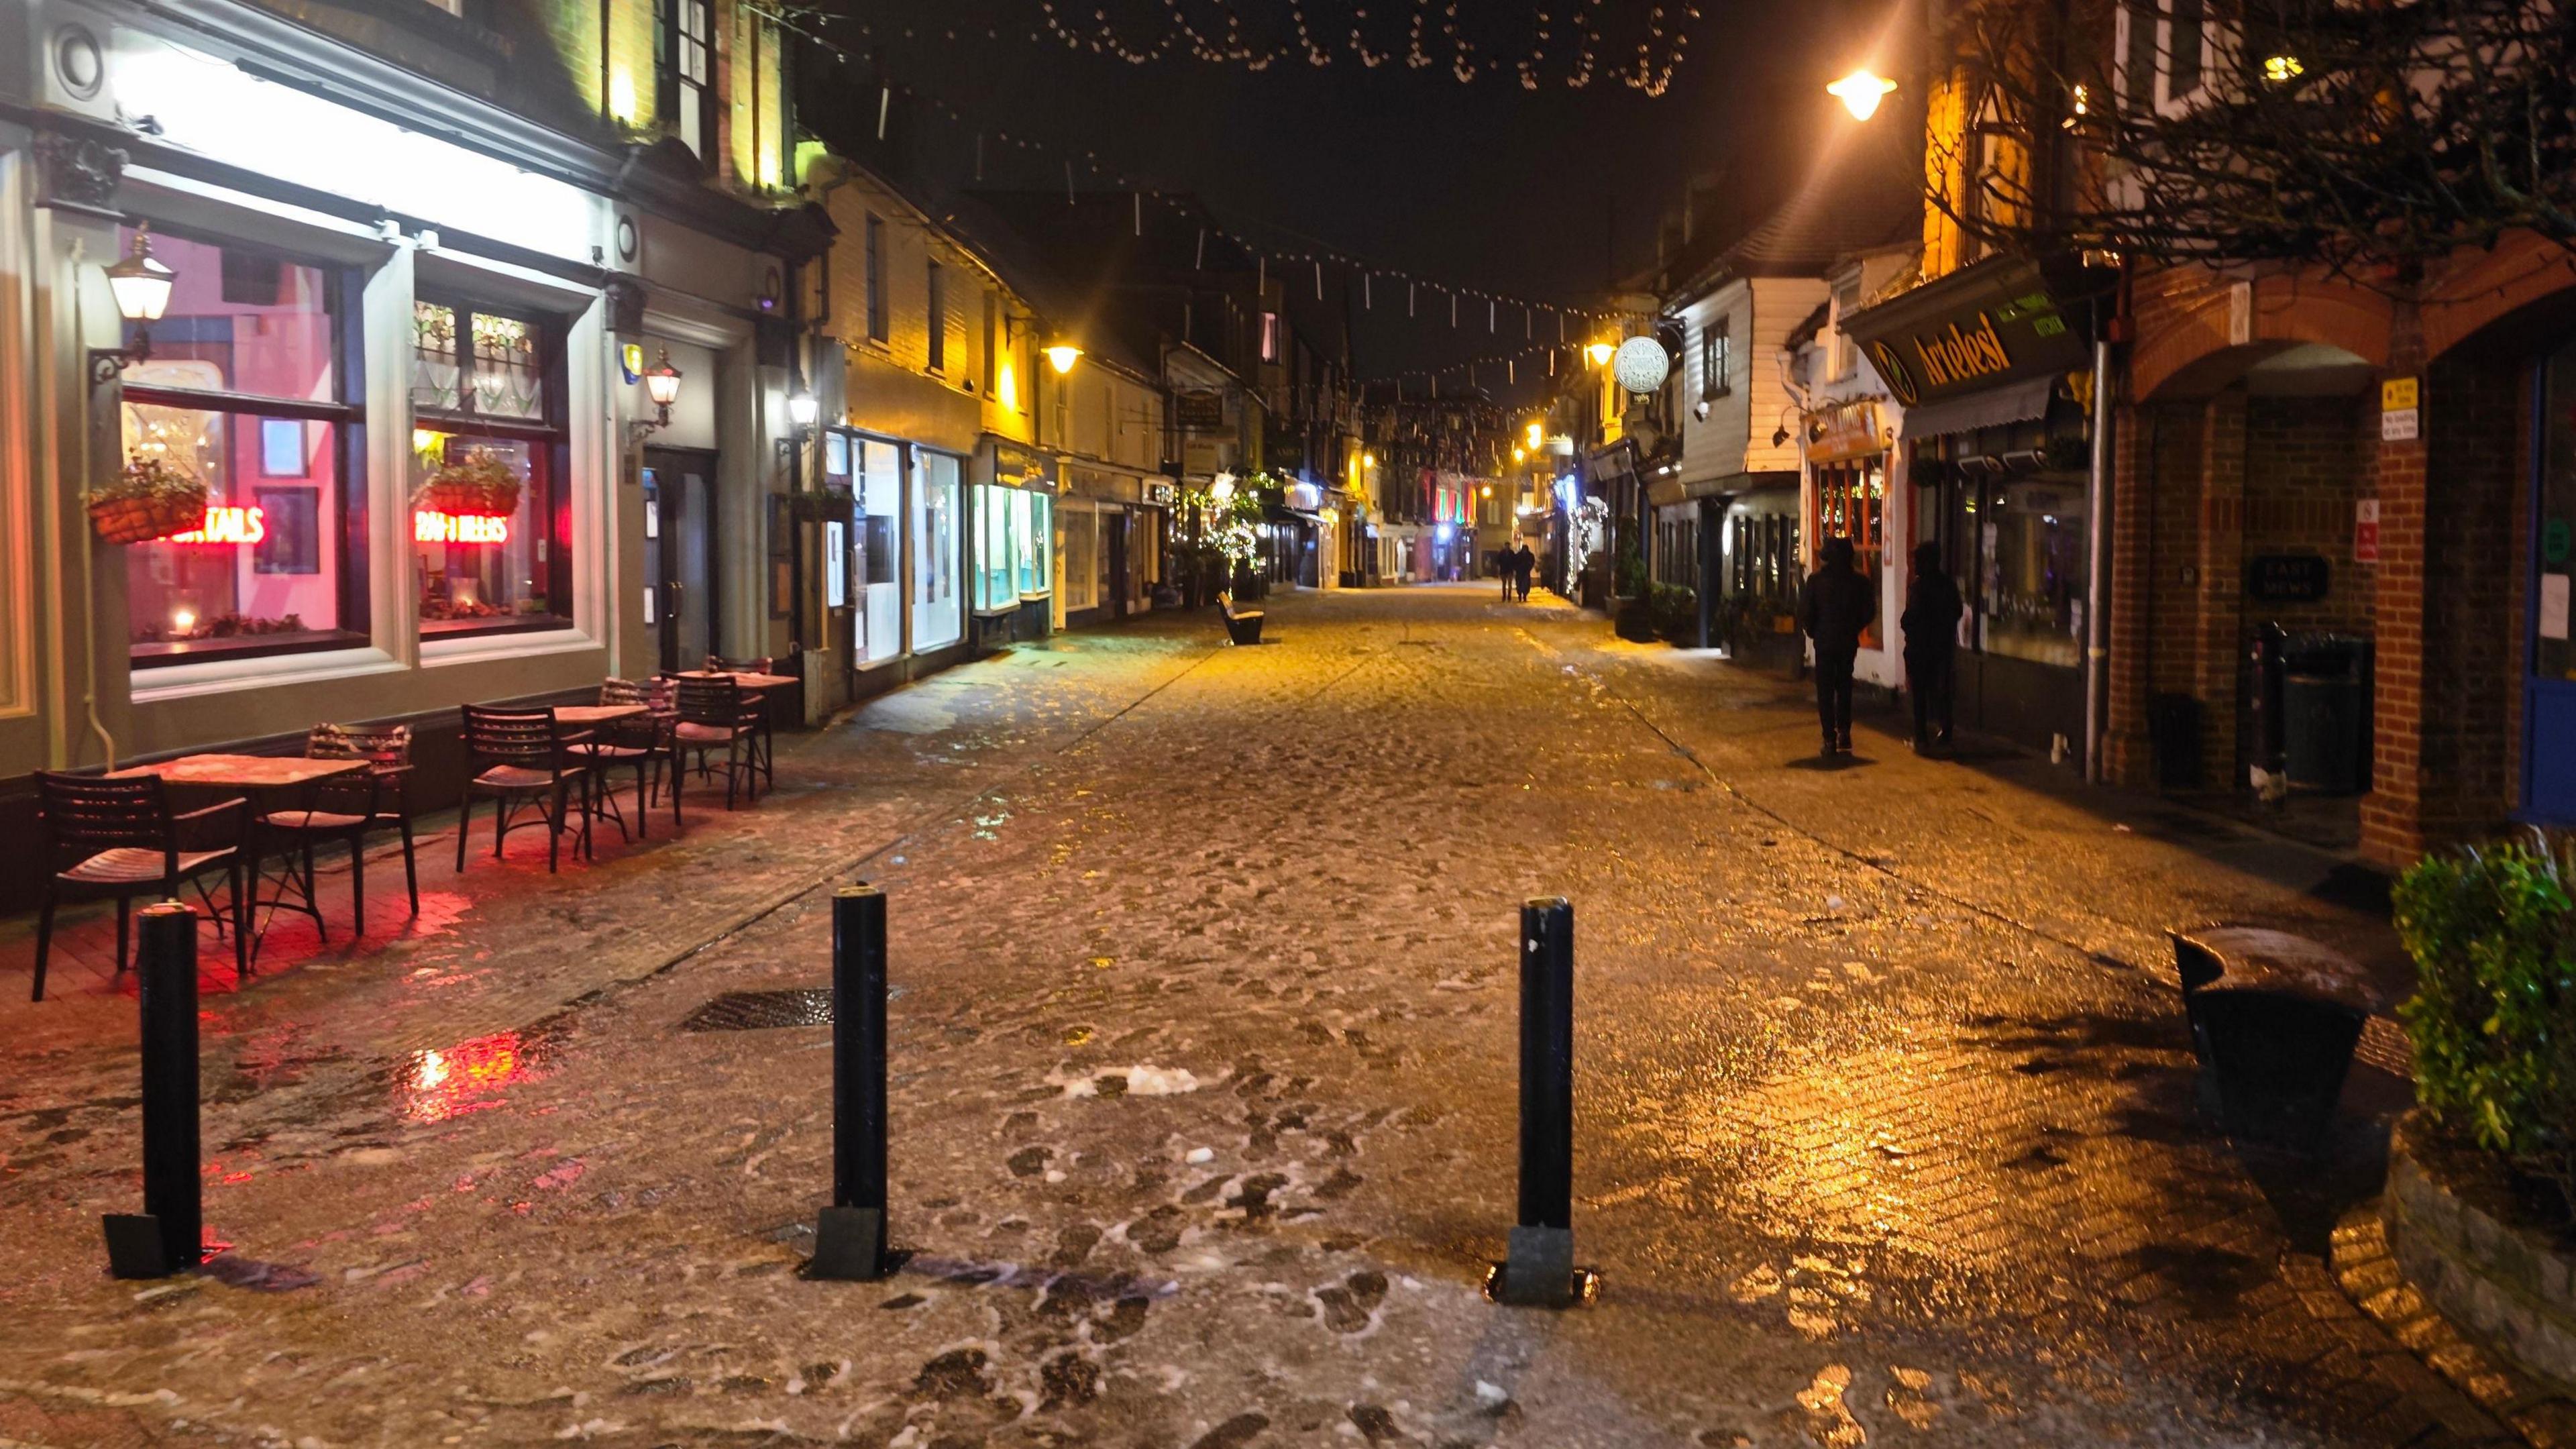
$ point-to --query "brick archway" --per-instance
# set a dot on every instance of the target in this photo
(2525, 283)
(2186, 326)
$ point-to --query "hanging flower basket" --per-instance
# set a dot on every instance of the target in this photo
(151, 499)
(477, 485)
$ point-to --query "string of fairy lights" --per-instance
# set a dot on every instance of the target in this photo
(1577, 39)
(1423, 297)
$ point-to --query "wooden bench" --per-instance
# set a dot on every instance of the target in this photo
(2274, 1018)
(1242, 626)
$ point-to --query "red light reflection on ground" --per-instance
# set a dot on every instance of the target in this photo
(471, 1076)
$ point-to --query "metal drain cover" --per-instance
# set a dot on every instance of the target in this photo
(758, 1010)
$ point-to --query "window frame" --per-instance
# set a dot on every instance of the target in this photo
(874, 279)
(673, 87)
(1717, 356)
(935, 283)
(549, 440)
(345, 301)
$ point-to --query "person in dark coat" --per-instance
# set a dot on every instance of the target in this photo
(1524, 563)
(1835, 605)
(1931, 623)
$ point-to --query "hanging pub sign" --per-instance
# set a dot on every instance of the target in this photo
(1844, 431)
(1998, 321)
(1199, 411)
(2287, 578)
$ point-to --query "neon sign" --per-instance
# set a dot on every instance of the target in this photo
(428, 526)
(227, 525)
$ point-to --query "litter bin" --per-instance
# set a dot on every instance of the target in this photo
(2173, 732)
(2325, 712)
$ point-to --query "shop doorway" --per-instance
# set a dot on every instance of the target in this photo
(679, 554)
(2549, 701)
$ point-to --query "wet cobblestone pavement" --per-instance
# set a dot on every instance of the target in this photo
(1204, 1098)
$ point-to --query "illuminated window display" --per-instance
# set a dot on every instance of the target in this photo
(488, 526)
(243, 392)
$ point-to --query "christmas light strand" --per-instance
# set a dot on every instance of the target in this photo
(1317, 256)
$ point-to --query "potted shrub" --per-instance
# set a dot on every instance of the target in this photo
(2493, 934)
(150, 498)
(478, 484)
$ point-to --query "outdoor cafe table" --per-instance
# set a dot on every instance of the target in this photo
(260, 778)
(588, 715)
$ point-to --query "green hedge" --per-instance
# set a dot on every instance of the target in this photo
(2493, 934)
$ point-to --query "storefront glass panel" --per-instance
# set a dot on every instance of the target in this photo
(993, 587)
(2031, 570)
(489, 524)
(937, 615)
(876, 549)
(243, 395)
(1082, 556)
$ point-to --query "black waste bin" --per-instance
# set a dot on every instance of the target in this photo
(2325, 712)
(2173, 732)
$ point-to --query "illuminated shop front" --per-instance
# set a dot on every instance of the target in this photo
(1014, 552)
(373, 436)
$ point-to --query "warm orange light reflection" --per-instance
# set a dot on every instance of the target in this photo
(442, 1083)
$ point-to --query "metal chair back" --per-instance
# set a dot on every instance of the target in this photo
(524, 737)
(758, 664)
(710, 702)
(383, 747)
(85, 814)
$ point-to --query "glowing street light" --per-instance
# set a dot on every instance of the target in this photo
(1601, 353)
(1062, 356)
(1861, 91)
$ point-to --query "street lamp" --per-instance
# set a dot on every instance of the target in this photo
(1601, 353)
(662, 387)
(1861, 91)
(141, 285)
(1062, 356)
(802, 409)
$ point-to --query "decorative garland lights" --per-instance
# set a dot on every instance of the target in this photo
(1212, 33)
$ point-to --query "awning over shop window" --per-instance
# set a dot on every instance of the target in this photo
(2014, 402)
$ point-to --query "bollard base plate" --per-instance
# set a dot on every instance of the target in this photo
(134, 1246)
(849, 1245)
(1540, 1273)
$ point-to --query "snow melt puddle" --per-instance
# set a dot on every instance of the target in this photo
(1141, 1080)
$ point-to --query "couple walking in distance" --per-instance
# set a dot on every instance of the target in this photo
(1517, 563)
(1836, 606)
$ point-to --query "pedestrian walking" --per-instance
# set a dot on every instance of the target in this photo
(1524, 563)
(1931, 623)
(1504, 567)
(1837, 602)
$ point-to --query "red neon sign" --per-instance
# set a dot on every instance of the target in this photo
(428, 526)
(227, 525)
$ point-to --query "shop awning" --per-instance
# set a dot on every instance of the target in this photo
(2013, 402)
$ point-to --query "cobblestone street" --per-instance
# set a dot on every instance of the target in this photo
(1204, 1094)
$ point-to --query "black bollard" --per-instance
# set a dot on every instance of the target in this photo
(1540, 1272)
(169, 1234)
(850, 1236)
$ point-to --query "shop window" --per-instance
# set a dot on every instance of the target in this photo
(245, 393)
(2031, 569)
(688, 94)
(876, 549)
(1270, 337)
(1851, 502)
(489, 526)
(938, 617)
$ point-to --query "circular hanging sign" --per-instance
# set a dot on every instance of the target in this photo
(1640, 364)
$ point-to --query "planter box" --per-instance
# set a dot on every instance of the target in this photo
(2452, 1228)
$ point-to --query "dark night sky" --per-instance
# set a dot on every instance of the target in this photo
(1485, 183)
